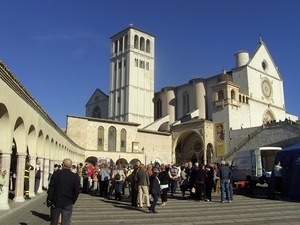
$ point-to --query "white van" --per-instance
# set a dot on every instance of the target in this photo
(254, 165)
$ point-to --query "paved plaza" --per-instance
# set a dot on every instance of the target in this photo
(89, 210)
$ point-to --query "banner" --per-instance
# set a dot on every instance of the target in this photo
(104, 160)
(220, 139)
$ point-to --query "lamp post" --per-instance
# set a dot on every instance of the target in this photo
(143, 149)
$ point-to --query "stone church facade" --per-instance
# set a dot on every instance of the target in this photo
(195, 119)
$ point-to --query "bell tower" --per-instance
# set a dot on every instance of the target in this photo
(132, 76)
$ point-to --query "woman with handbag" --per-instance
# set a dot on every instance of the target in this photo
(184, 184)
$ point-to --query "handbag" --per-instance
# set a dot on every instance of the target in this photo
(193, 190)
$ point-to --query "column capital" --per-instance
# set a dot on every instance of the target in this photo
(9, 152)
(21, 154)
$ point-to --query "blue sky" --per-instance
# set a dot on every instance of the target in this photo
(60, 50)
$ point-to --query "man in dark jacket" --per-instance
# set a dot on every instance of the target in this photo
(225, 175)
(62, 193)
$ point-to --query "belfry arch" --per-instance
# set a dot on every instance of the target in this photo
(190, 147)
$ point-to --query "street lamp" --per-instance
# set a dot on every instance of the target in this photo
(143, 150)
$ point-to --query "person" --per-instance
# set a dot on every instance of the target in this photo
(149, 170)
(193, 178)
(95, 181)
(231, 181)
(2, 180)
(143, 183)
(37, 176)
(174, 174)
(209, 182)
(74, 169)
(104, 180)
(154, 190)
(163, 176)
(216, 179)
(224, 173)
(28, 167)
(86, 173)
(220, 132)
(133, 184)
(118, 177)
(278, 177)
(128, 179)
(184, 182)
(63, 192)
(200, 183)
(80, 170)
(55, 168)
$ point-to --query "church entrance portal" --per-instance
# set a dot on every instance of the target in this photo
(189, 147)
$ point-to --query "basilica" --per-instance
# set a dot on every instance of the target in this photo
(201, 120)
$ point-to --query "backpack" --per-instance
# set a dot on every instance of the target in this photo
(117, 177)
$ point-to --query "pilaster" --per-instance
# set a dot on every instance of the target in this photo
(19, 191)
(42, 160)
(32, 176)
(46, 172)
(5, 165)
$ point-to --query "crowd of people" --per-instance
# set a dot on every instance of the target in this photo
(156, 180)
(67, 181)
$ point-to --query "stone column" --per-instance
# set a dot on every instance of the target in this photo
(5, 165)
(42, 160)
(52, 162)
(32, 176)
(19, 191)
(46, 172)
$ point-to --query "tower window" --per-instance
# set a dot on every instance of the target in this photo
(148, 46)
(112, 139)
(126, 42)
(100, 138)
(142, 64)
(142, 44)
(158, 109)
(220, 95)
(233, 94)
(123, 140)
(96, 112)
(120, 44)
(116, 46)
(136, 41)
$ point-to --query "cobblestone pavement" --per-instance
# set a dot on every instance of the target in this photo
(90, 210)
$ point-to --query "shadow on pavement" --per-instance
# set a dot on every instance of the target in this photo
(43, 216)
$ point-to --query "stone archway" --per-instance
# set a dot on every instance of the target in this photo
(268, 117)
(135, 161)
(121, 162)
(190, 147)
